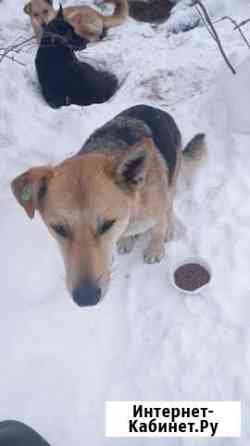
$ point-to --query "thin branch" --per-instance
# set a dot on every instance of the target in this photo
(14, 48)
(13, 59)
(205, 23)
(214, 33)
(243, 23)
(236, 27)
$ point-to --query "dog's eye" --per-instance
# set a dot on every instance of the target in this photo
(46, 11)
(104, 227)
(36, 15)
(60, 230)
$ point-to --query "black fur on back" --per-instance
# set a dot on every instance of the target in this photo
(134, 124)
(14, 433)
(63, 78)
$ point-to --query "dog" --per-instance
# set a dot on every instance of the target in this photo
(63, 78)
(152, 11)
(120, 184)
(86, 21)
(14, 433)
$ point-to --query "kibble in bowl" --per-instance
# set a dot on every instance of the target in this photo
(191, 276)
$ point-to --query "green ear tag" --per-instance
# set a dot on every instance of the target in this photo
(26, 194)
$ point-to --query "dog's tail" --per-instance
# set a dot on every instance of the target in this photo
(193, 153)
(119, 15)
(196, 148)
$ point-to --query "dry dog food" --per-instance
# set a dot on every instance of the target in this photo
(191, 276)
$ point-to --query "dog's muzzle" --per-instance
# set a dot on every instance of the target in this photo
(87, 294)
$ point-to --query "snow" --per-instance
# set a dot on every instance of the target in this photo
(146, 341)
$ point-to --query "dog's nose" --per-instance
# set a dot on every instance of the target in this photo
(88, 294)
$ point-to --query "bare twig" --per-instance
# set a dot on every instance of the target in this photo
(236, 27)
(205, 23)
(14, 48)
(13, 59)
(213, 32)
(242, 23)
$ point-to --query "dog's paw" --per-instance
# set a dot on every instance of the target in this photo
(154, 253)
(126, 244)
(176, 231)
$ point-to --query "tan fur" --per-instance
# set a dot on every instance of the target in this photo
(90, 187)
(87, 22)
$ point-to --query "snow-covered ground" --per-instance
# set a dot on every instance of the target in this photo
(59, 363)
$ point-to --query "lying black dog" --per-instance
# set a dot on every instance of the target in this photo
(63, 78)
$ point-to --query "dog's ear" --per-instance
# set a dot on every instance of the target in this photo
(27, 8)
(132, 169)
(60, 15)
(30, 188)
(76, 19)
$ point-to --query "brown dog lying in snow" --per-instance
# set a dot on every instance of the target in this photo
(86, 21)
(120, 184)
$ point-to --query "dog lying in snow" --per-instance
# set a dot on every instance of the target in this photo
(120, 184)
(63, 78)
(86, 21)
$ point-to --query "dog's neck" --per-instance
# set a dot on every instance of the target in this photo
(55, 44)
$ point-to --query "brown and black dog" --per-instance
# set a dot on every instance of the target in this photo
(86, 21)
(121, 183)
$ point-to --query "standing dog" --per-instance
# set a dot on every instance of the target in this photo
(120, 184)
(63, 78)
(86, 21)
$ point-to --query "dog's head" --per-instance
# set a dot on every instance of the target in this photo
(62, 28)
(86, 203)
(40, 11)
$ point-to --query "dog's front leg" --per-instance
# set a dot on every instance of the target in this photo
(126, 244)
(155, 251)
